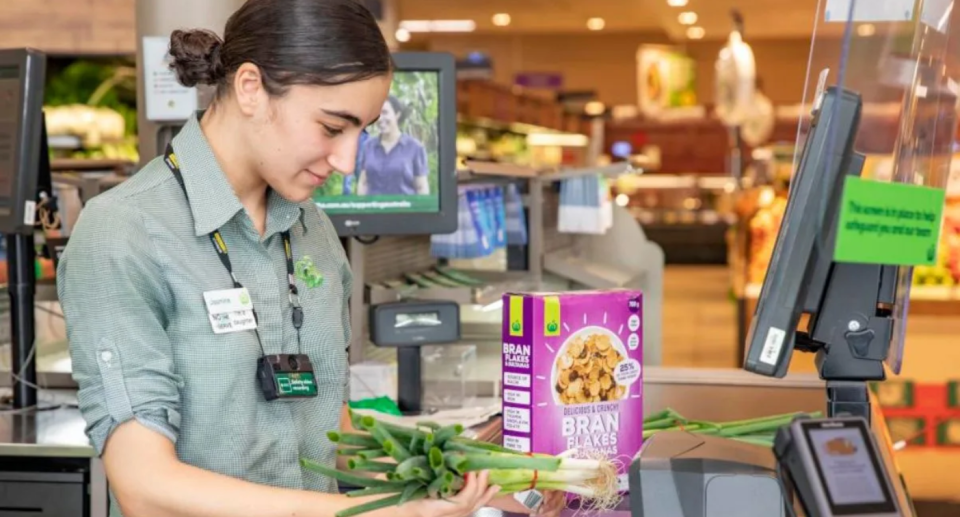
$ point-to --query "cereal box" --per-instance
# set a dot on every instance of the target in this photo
(572, 373)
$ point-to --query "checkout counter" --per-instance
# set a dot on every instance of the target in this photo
(45, 455)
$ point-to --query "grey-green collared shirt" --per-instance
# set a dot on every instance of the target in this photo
(131, 284)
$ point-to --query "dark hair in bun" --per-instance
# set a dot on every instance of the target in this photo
(196, 57)
(309, 42)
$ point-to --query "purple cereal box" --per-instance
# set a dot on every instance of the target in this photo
(572, 373)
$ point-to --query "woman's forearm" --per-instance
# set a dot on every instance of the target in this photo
(149, 480)
(187, 491)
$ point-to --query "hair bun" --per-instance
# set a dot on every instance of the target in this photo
(196, 57)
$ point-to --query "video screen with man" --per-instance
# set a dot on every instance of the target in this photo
(397, 167)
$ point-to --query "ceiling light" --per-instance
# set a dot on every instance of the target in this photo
(676, 3)
(594, 108)
(866, 30)
(501, 19)
(596, 24)
(438, 25)
(687, 18)
(402, 35)
(696, 32)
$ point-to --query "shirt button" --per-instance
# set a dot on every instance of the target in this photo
(106, 356)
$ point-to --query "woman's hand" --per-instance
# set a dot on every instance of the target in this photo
(553, 503)
(475, 494)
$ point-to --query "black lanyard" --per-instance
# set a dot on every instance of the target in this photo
(221, 248)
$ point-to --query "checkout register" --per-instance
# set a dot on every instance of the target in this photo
(826, 467)
(831, 466)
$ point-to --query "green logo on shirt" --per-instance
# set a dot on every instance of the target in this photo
(308, 273)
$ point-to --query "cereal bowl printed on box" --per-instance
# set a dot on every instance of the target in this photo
(584, 368)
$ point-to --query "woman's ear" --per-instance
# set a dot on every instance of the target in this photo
(248, 88)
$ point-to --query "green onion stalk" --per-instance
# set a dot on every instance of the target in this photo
(432, 461)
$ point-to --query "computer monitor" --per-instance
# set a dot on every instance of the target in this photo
(22, 74)
(850, 326)
(405, 179)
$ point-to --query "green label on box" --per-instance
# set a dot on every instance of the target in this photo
(296, 384)
(889, 223)
(551, 316)
(516, 316)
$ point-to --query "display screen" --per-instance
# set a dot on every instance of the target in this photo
(849, 469)
(397, 168)
(423, 319)
(9, 106)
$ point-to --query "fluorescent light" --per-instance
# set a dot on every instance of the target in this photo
(866, 30)
(677, 3)
(687, 18)
(438, 25)
(696, 32)
(596, 24)
(501, 19)
(557, 139)
(402, 35)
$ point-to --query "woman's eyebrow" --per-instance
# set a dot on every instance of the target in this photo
(349, 117)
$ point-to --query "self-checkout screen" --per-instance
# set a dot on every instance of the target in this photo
(397, 168)
(9, 107)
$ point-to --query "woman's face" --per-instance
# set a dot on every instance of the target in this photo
(309, 133)
(389, 122)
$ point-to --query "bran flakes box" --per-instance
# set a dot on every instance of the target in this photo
(572, 374)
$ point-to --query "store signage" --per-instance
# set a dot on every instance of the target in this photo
(166, 98)
(889, 223)
(869, 10)
(539, 80)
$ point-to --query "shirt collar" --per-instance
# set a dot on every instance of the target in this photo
(212, 199)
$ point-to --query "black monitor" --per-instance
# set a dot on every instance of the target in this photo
(22, 74)
(405, 181)
(850, 327)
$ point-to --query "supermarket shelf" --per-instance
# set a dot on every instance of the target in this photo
(90, 165)
(567, 264)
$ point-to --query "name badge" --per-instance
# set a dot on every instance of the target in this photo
(230, 310)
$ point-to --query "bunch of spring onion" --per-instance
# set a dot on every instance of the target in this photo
(429, 461)
(757, 431)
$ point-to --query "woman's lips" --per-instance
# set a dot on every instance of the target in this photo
(316, 179)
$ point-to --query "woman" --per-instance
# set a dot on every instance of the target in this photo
(393, 163)
(178, 283)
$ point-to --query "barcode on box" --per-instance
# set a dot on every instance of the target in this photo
(771, 347)
(516, 397)
(518, 380)
(517, 443)
(530, 499)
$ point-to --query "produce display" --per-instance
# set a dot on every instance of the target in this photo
(757, 431)
(764, 226)
(94, 101)
(946, 272)
(573, 373)
(430, 461)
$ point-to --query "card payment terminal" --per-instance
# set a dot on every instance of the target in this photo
(835, 467)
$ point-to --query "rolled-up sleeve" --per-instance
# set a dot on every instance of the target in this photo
(112, 290)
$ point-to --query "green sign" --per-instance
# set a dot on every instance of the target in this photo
(889, 223)
(296, 384)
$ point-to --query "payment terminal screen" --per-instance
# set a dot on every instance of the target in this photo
(847, 467)
(397, 168)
